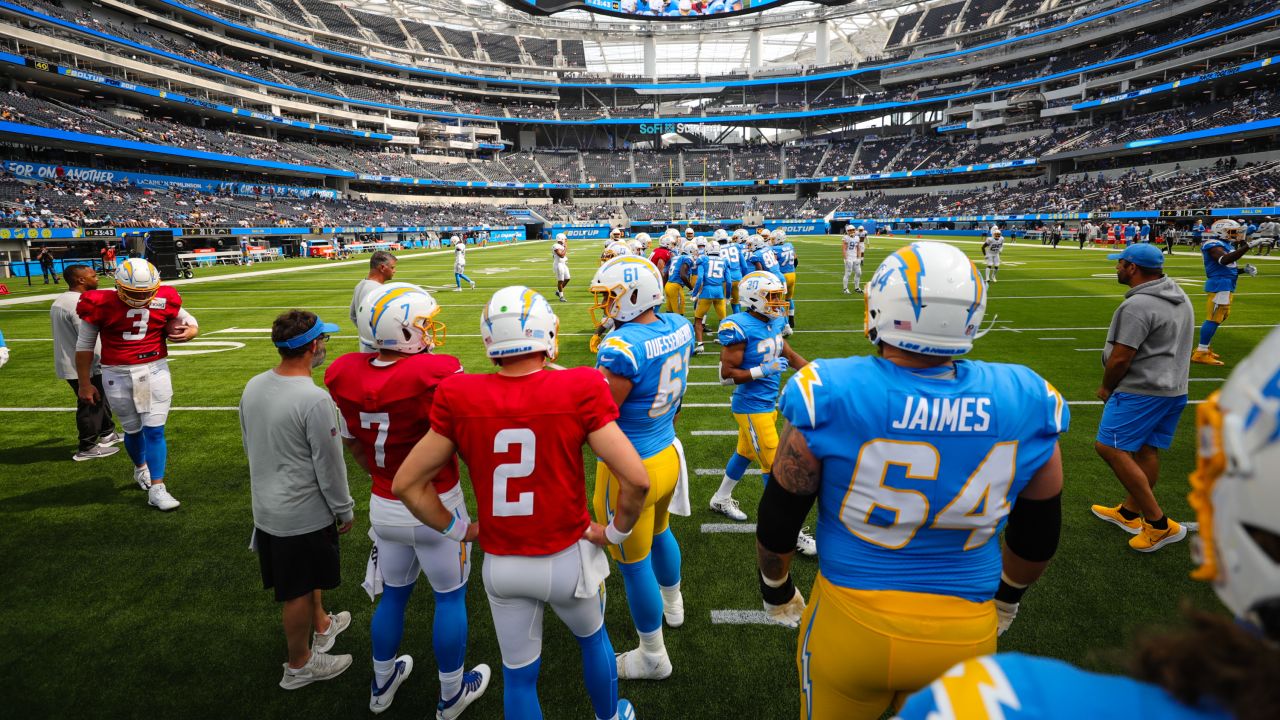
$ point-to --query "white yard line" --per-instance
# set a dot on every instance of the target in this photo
(740, 617)
(731, 528)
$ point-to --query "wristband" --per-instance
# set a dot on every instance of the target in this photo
(614, 535)
(1009, 591)
(457, 531)
(757, 372)
(777, 592)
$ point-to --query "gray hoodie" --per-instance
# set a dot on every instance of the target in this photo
(1156, 318)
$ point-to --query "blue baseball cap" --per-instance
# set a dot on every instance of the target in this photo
(1141, 254)
(320, 328)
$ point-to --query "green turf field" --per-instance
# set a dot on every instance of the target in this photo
(115, 609)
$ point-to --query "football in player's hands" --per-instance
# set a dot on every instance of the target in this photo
(787, 614)
(177, 330)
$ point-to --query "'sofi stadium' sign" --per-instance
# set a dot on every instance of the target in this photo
(663, 128)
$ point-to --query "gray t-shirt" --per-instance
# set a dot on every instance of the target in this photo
(66, 328)
(364, 287)
(1157, 320)
(296, 469)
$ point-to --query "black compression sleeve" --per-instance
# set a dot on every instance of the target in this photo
(1034, 527)
(781, 515)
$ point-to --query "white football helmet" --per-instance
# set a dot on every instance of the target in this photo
(644, 239)
(689, 233)
(518, 321)
(689, 248)
(619, 249)
(1226, 229)
(562, 238)
(701, 245)
(666, 241)
(927, 298)
(400, 316)
(721, 236)
(779, 236)
(754, 243)
(995, 232)
(456, 240)
(764, 293)
(740, 235)
(624, 288)
(615, 234)
(137, 282)
(635, 247)
(1235, 489)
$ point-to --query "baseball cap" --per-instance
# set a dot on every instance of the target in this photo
(320, 328)
(1141, 254)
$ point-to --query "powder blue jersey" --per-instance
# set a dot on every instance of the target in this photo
(920, 470)
(732, 255)
(763, 339)
(675, 268)
(655, 358)
(744, 260)
(1021, 687)
(713, 273)
(768, 261)
(786, 254)
(1218, 277)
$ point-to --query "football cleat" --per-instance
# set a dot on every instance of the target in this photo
(323, 642)
(806, 544)
(142, 476)
(1206, 357)
(1113, 516)
(380, 698)
(1151, 539)
(474, 684)
(640, 665)
(728, 507)
(626, 711)
(159, 497)
(846, 291)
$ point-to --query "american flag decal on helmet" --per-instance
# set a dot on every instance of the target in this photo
(902, 325)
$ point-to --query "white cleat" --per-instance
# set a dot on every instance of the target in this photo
(323, 642)
(318, 667)
(673, 607)
(142, 476)
(846, 291)
(458, 289)
(473, 284)
(158, 497)
(806, 544)
(728, 507)
(474, 684)
(698, 349)
(380, 698)
(858, 289)
(639, 665)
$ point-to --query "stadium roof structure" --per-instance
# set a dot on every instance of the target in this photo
(788, 36)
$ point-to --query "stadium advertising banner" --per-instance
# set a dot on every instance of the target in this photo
(1176, 84)
(799, 227)
(45, 171)
(654, 9)
(581, 232)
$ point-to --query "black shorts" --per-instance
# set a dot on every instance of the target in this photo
(299, 564)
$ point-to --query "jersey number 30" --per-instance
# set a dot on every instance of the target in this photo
(979, 507)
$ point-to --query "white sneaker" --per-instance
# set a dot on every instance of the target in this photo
(728, 507)
(142, 476)
(110, 438)
(380, 697)
(95, 452)
(640, 665)
(858, 289)
(158, 497)
(474, 684)
(846, 291)
(805, 543)
(673, 607)
(458, 289)
(319, 667)
(697, 349)
(323, 642)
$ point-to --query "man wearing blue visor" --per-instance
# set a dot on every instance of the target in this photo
(301, 500)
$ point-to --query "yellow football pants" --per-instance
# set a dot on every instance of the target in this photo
(862, 651)
(791, 284)
(758, 438)
(701, 309)
(675, 297)
(664, 472)
(1215, 312)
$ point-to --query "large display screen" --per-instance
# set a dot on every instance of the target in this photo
(650, 9)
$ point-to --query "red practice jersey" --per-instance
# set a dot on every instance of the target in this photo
(130, 336)
(522, 439)
(388, 409)
(661, 254)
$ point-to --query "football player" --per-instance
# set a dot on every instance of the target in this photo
(460, 264)
(1217, 668)
(916, 461)
(991, 249)
(1224, 244)
(753, 356)
(135, 322)
(853, 247)
(384, 402)
(560, 262)
(661, 257)
(711, 290)
(787, 263)
(645, 359)
(679, 276)
(732, 255)
(521, 431)
(760, 257)
(4, 351)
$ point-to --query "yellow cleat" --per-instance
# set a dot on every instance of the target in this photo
(1151, 539)
(1113, 516)
(1205, 357)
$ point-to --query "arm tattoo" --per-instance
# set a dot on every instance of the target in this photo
(795, 466)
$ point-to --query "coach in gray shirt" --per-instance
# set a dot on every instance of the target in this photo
(301, 501)
(1144, 384)
(382, 267)
(96, 427)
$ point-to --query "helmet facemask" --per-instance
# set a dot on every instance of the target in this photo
(605, 299)
(136, 297)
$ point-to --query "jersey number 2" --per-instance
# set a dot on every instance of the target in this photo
(979, 507)
(528, 442)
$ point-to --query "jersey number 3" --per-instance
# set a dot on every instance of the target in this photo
(979, 507)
